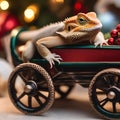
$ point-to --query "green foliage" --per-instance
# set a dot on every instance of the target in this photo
(107, 35)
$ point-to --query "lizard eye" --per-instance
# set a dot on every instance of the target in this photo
(82, 21)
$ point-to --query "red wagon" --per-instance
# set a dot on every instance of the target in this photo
(94, 68)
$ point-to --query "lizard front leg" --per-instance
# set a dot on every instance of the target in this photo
(99, 40)
(49, 42)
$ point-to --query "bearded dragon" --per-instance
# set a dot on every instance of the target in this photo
(73, 30)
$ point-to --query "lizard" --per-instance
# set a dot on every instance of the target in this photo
(73, 30)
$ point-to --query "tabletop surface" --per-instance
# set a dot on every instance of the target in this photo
(75, 107)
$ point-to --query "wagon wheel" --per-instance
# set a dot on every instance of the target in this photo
(31, 89)
(104, 93)
(63, 91)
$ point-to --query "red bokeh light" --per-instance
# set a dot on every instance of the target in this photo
(7, 23)
(78, 6)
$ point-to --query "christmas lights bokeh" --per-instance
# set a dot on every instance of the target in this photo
(39, 13)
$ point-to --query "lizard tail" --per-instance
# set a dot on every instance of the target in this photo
(46, 31)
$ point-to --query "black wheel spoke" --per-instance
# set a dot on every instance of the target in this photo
(43, 89)
(21, 96)
(104, 93)
(59, 91)
(29, 101)
(41, 83)
(38, 99)
(42, 86)
(111, 79)
(32, 72)
(37, 94)
(22, 77)
(103, 89)
(117, 80)
(41, 95)
(33, 75)
(114, 107)
(100, 93)
(63, 93)
(103, 102)
(106, 78)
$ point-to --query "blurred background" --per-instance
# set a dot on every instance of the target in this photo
(38, 13)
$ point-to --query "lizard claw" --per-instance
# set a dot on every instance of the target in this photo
(99, 40)
(53, 57)
(101, 44)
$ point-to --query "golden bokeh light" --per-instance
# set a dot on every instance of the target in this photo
(59, 1)
(30, 13)
(4, 5)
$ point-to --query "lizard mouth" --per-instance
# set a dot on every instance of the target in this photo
(95, 28)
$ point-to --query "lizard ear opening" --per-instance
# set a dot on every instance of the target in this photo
(70, 27)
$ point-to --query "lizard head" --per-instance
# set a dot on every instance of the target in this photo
(83, 22)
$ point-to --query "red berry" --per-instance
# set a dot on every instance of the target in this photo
(114, 33)
(111, 41)
(118, 41)
(118, 27)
